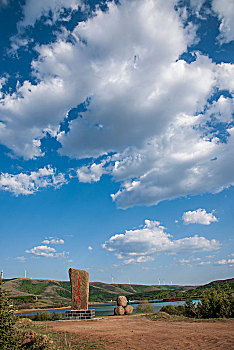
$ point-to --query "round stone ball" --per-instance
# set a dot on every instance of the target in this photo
(119, 310)
(128, 309)
(122, 301)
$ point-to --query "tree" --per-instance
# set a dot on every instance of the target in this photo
(216, 303)
(8, 331)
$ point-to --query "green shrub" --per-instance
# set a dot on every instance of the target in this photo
(8, 331)
(42, 316)
(216, 303)
(56, 316)
(190, 309)
(173, 310)
(169, 309)
(145, 307)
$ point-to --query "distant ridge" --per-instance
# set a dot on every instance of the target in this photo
(29, 293)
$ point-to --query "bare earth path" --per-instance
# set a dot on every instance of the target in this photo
(138, 332)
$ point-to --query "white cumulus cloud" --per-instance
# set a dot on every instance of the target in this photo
(142, 243)
(225, 12)
(229, 262)
(26, 184)
(147, 111)
(53, 241)
(46, 251)
(34, 10)
(199, 216)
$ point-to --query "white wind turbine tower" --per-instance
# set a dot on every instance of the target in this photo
(159, 281)
(25, 274)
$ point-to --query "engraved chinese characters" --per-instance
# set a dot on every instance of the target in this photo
(79, 289)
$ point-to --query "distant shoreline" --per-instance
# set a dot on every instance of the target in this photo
(59, 308)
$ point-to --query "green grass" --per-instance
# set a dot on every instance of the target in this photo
(34, 288)
(64, 293)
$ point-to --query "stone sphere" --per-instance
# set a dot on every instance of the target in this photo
(119, 310)
(128, 309)
(122, 301)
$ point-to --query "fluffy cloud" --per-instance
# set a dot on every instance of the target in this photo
(199, 216)
(91, 173)
(148, 112)
(204, 263)
(175, 165)
(229, 262)
(139, 259)
(225, 12)
(53, 241)
(90, 248)
(140, 244)
(188, 261)
(33, 11)
(30, 183)
(45, 251)
(42, 250)
(224, 9)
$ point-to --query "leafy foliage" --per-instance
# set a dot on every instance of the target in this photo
(46, 316)
(173, 310)
(8, 331)
(144, 307)
(216, 303)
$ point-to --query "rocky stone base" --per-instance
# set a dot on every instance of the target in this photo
(79, 315)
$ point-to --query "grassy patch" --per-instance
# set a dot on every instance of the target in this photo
(163, 316)
(34, 288)
(63, 340)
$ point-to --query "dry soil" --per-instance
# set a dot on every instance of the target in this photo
(141, 333)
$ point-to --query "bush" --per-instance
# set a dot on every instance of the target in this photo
(56, 316)
(169, 309)
(190, 309)
(8, 331)
(173, 310)
(42, 316)
(216, 303)
(145, 307)
(46, 316)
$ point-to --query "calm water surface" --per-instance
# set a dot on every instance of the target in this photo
(106, 310)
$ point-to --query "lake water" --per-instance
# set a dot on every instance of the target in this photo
(107, 310)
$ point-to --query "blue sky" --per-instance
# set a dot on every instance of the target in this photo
(116, 139)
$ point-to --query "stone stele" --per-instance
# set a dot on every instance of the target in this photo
(79, 289)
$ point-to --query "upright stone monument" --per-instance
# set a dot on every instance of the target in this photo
(79, 296)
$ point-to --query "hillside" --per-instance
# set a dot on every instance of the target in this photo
(29, 293)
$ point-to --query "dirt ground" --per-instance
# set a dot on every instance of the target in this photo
(138, 332)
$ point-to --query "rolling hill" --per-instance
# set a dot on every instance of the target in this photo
(37, 293)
